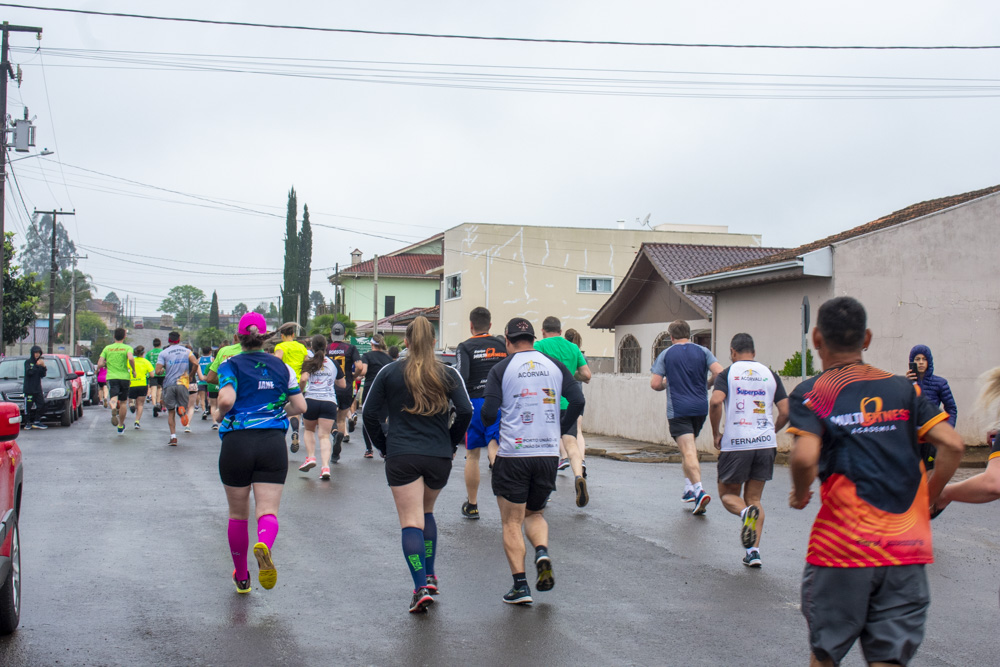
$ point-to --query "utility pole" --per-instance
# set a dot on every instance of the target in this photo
(72, 306)
(53, 271)
(375, 298)
(5, 67)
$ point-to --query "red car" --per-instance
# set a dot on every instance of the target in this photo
(77, 384)
(11, 475)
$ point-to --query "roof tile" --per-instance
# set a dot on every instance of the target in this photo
(398, 265)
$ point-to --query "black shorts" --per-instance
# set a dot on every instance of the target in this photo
(137, 392)
(156, 381)
(686, 426)
(406, 468)
(119, 389)
(344, 398)
(740, 466)
(102, 385)
(253, 456)
(525, 480)
(572, 430)
(317, 409)
(213, 394)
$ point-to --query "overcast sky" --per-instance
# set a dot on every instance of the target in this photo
(483, 137)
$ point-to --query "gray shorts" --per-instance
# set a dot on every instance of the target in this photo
(743, 465)
(884, 607)
(175, 396)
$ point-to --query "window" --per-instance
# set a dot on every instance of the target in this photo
(453, 286)
(629, 355)
(704, 339)
(661, 343)
(437, 297)
(390, 306)
(593, 284)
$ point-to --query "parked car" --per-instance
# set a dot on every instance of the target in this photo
(11, 476)
(77, 385)
(92, 389)
(89, 390)
(57, 385)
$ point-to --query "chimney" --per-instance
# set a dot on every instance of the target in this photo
(355, 257)
(621, 224)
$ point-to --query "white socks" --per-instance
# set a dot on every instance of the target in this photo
(687, 485)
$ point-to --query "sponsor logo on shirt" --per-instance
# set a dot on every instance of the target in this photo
(531, 370)
(527, 417)
(743, 422)
(550, 417)
(871, 414)
(488, 353)
(740, 391)
(751, 375)
(760, 408)
(265, 384)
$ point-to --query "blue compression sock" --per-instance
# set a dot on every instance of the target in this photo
(430, 542)
(413, 549)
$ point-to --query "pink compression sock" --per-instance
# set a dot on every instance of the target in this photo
(239, 544)
(267, 529)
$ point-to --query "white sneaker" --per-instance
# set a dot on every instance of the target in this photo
(187, 429)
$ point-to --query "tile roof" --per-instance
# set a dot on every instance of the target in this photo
(911, 212)
(397, 265)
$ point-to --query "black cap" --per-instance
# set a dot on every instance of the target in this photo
(519, 327)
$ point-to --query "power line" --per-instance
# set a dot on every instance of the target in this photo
(530, 40)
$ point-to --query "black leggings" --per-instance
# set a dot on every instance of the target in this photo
(34, 406)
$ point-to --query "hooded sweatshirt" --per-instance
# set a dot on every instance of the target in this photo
(33, 373)
(934, 387)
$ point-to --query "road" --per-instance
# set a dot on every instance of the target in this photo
(125, 562)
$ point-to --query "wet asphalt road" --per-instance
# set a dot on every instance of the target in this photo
(125, 562)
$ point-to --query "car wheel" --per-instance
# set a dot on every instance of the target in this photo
(10, 592)
(67, 413)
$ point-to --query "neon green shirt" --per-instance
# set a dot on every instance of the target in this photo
(223, 354)
(293, 353)
(562, 350)
(143, 369)
(116, 359)
(152, 356)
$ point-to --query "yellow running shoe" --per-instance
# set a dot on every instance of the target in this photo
(267, 574)
(241, 586)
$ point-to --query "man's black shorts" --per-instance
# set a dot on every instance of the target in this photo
(316, 409)
(406, 468)
(572, 430)
(253, 456)
(344, 398)
(119, 388)
(525, 480)
(686, 426)
(156, 381)
(137, 392)
(740, 466)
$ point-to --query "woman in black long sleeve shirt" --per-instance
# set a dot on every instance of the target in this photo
(419, 446)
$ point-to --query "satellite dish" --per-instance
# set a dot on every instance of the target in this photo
(645, 221)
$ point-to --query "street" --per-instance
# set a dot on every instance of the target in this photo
(125, 562)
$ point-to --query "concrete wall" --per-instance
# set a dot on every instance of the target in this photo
(409, 293)
(532, 272)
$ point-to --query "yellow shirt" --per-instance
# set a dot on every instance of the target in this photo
(293, 353)
(142, 369)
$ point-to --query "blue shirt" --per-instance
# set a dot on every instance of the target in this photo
(686, 367)
(204, 363)
(263, 384)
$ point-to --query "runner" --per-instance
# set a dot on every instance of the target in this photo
(204, 401)
(175, 364)
(192, 384)
(374, 361)
(750, 441)
(320, 377)
(224, 353)
(138, 387)
(573, 336)
(526, 388)
(860, 428)
(569, 355)
(681, 370)
(419, 447)
(293, 353)
(155, 382)
(102, 384)
(34, 397)
(474, 359)
(120, 362)
(346, 356)
(257, 392)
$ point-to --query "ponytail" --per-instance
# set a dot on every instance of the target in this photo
(424, 376)
(315, 362)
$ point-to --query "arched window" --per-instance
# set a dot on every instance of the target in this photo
(661, 343)
(629, 355)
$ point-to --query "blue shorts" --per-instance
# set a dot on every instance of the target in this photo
(479, 435)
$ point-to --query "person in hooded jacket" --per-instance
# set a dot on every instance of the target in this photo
(34, 397)
(935, 389)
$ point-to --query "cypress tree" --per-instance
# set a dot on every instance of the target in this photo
(289, 292)
(305, 265)
(213, 312)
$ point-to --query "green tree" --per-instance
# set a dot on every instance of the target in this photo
(36, 256)
(304, 250)
(213, 312)
(184, 302)
(289, 290)
(20, 295)
(90, 326)
(316, 299)
(112, 298)
(393, 339)
(261, 308)
(322, 324)
(240, 309)
(272, 311)
(65, 286)
(211, 337)
(793, 366)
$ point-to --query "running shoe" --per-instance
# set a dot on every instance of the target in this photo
(131, 407)
(701, 502)
(197, 408)
(546, 578)
(338, 440)
(752, 559)
(204, 415)
(242, 586)
(173, 442)
(187, 429)
(748, 532)
(421, 600)
(308, 464)
(324, 473)
(39, 426)
(369, 454)
(267, 574)
(582, 497)
(689, 496)
(137, 425)
(584, 464)
(105, 402)
(183, 414)
(347, 438)
(121, 429)
(352, 423)
(470, 511)
(935, 511)
(295, 442)
(215, 427)
(432, 584)
(563, 464)
(114, 417)
(518, 595)
(156, 411)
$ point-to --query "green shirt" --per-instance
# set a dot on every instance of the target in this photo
(562, 350)
(152, 356)
(116, 359)
(223, 354)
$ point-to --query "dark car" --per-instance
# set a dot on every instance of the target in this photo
(11, 476)
(57, 385)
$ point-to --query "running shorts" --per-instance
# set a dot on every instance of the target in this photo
(317, 409)
(119, 389)
(525, 480)
(344, 398)
(213, 394)
(740, 466)
(686, 426)
(102, 385)
(175, 396)
(479, 435)
(572, 429)
(885, 607)
(137, 392)
(253, 456)
(406, 468)
(156, 381)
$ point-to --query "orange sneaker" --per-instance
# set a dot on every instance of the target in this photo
(182, 413)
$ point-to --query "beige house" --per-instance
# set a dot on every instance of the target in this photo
(534, 272)
(926, 275)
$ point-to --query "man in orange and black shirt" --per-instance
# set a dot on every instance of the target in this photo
(859, 429)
